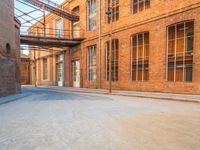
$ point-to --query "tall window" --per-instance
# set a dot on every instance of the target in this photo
(115, 58)
(112, 6)
(76, 24)
(91, 14)
(180, 44)
(91, 63)
(45, 70)
(140, 57)
(47, 30)
(59, 27)
(140, 5)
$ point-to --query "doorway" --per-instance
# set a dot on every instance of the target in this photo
(60, 69)
(76, 73)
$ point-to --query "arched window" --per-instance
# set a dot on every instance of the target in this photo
(140, 56)
(112, 10)
(180, 45)
(115, 58)
(91, 14)
(140, 5)
(91, 63)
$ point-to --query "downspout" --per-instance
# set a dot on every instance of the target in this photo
(99, 45)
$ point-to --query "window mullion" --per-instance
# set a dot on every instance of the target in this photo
(106, 60)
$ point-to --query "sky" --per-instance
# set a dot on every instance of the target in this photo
(21, 7)
(25, 8)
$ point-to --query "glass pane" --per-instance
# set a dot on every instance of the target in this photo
(189, 42)
(141, 5)
(171, 33)
(135, 8)
(180, 30)
(188, 71)
(171, 71)
(146, 72)
(180, 47)
(139, 72)
(171, 47)
(189, 36)
(147, 4)
(188, 74)
(179, 71)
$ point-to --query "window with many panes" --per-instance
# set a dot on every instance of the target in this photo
(112, 6)
(45, 69)
(91, 14)
(180, 42)
(140, 56)
(140, 5)
(91, 63)
(115, 58)
(59, 27)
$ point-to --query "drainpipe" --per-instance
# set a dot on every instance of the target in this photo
(99, 47)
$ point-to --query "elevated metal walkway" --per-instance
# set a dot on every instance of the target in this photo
(49, 41)
(51, 37)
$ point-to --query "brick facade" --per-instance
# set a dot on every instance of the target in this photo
(9, 50)
(154, 20)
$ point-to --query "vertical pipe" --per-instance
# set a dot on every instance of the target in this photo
(184, 51)
(87, 56)
(137, 61)
(175, 53)
(167, 55)
(35, 73)
(106, 47)
(99, 47)
(44, 16)
(131, 67)
(110, 57)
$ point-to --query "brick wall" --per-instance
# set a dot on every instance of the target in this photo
(9, 50)
(155, 20)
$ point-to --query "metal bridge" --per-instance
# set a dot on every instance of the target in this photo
(51, 37)
(40, 37)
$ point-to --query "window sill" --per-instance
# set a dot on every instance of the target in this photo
(187, 82)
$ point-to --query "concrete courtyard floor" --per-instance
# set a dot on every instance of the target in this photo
(55, 120)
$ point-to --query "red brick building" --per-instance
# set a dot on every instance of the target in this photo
(9, 50)
(155, 46)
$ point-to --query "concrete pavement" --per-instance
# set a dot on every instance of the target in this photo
(56, 120)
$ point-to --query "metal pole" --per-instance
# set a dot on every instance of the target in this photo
(110, 56)
(99, 47)
(44, 16)
(35, 69)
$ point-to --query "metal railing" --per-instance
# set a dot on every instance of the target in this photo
(52, 33)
